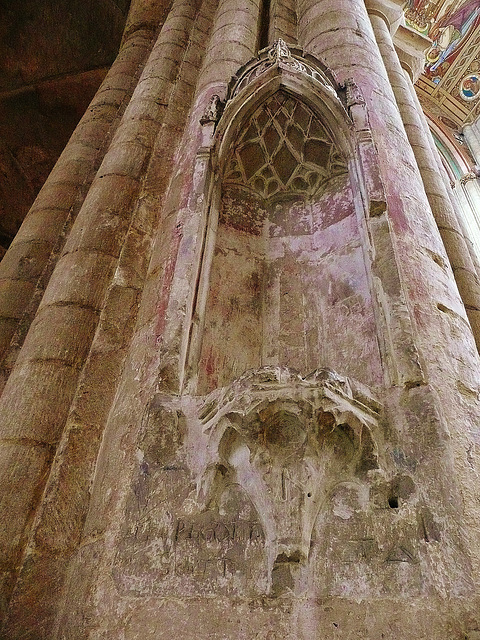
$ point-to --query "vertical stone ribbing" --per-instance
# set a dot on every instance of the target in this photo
(283, 21)
(233, 42)
(445, 216)
(57, 527)
(48, 366)
(28, 264)
(99, 389)
(178, 229)
(459, 201)
(59, 522)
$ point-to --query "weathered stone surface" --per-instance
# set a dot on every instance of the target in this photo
(23, 463)
(248, 404)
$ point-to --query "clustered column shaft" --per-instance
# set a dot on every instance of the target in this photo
(29, 260)
(445, 216)
(48, 367)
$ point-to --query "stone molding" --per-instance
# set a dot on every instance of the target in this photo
(411, 47)
(282, 56)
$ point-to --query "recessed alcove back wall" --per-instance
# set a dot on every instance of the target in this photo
(288, 283)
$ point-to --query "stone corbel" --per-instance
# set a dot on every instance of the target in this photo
(211, 116)
(471, 175)
(411, 47)
(391, 11)
(287, 440)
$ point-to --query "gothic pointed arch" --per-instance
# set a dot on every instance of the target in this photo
(284, 150)
(284, 72)
(284, 266)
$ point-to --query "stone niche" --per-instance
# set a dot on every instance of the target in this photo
(263, 482)
(288, 283)
(272, 486)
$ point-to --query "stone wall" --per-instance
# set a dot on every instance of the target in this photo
(247, 406)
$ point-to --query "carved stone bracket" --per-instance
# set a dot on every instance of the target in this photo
(471, 175)
(354, 94)
(213, 111)
(322, 388)
(288, 440)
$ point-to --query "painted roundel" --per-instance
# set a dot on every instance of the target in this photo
(470, 87)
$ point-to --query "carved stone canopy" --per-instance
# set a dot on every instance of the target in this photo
(283, 56)
(285, 147)
(288, 395)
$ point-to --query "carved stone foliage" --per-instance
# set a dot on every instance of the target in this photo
(284, 149)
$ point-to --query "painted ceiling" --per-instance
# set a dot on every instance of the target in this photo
(449, 88)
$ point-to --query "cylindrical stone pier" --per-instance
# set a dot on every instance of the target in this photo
(37, 397)
(129, 431)
(168, 291)
(27, 264)
(445, 216)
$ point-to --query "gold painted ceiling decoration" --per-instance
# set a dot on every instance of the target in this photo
(452, 66)
(449, 88)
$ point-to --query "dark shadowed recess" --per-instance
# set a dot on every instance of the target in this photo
(53, 56)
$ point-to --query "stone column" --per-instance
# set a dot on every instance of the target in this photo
(466, 202)
(410, 272)
(28, 264)
(37, 397)
(163, 320)
(470, 183)
(471, 188)
(472, 136)
(466, 208)
(283, 21)
(233, 42)
(438, 197)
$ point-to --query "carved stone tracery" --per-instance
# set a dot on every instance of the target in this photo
(282, 56)
(285, 149)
